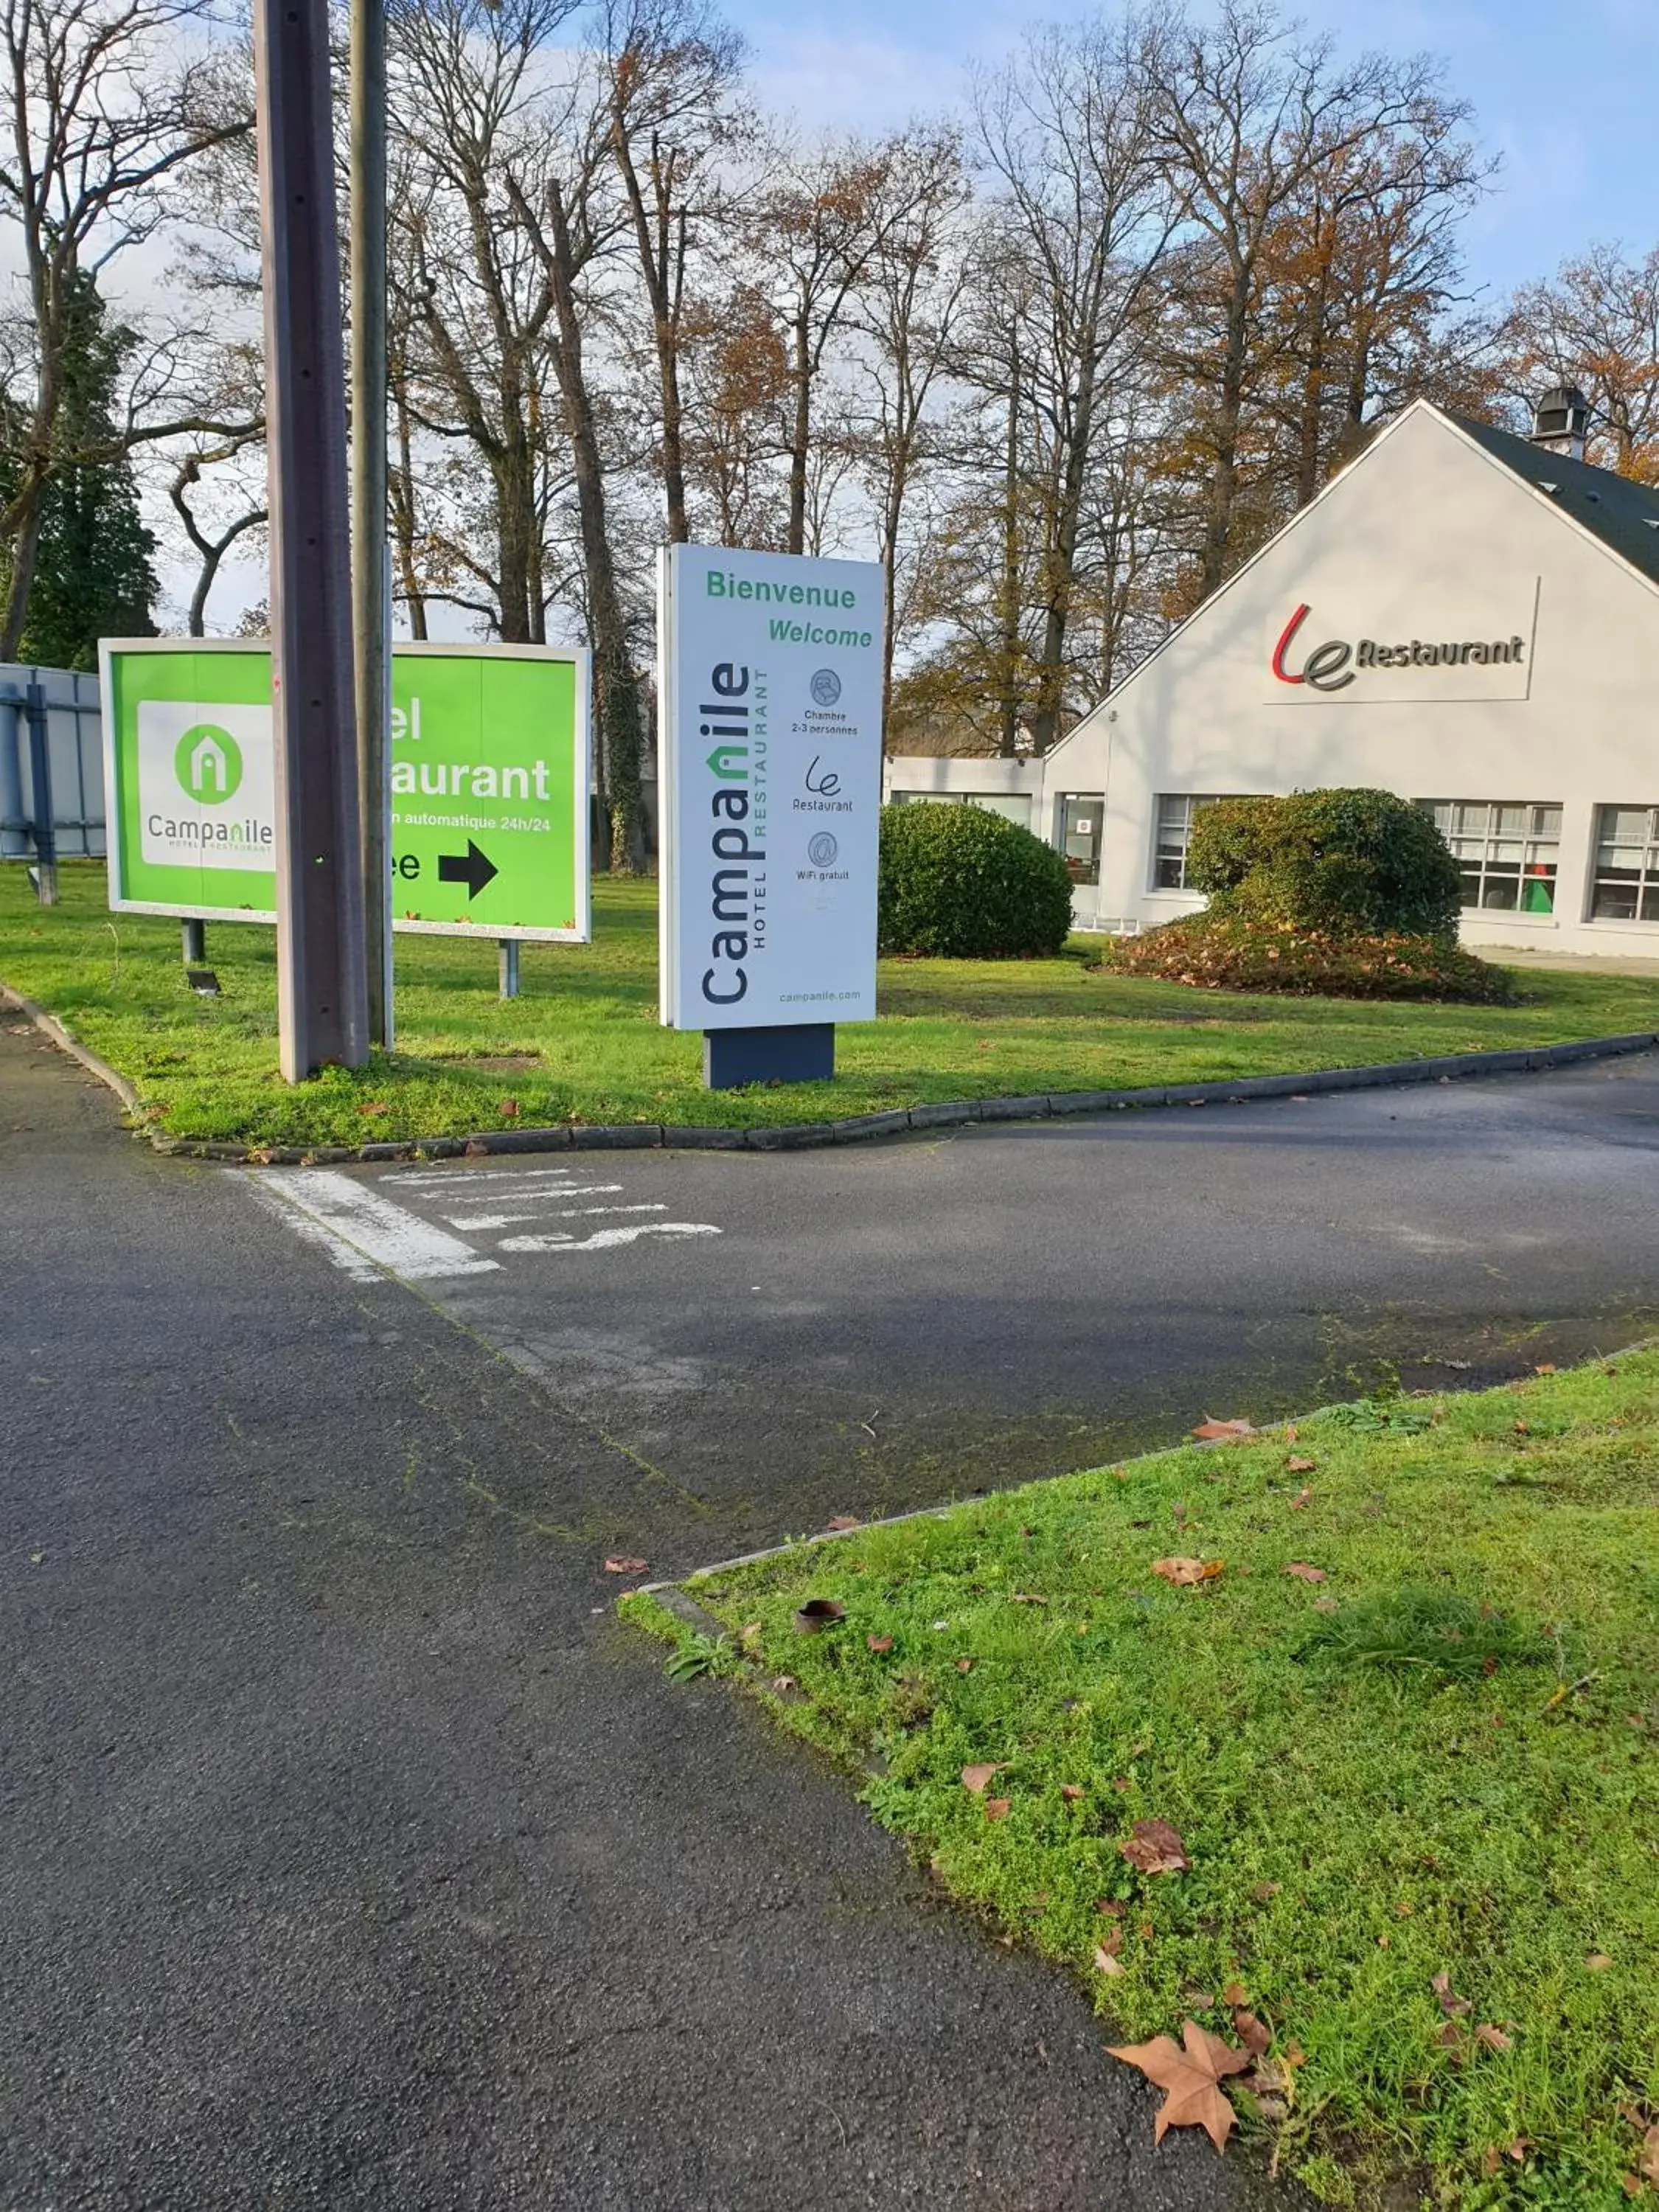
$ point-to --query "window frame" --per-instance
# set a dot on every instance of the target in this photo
(1531, 839)
(1645, 883)
(1088, 877)
(1193, 801)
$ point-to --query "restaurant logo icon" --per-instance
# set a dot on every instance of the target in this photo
(208, 763)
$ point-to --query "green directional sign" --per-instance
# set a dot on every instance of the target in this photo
(489, 797)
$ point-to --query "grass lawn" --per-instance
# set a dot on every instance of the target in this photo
(1440, 1760)
(582, 1042)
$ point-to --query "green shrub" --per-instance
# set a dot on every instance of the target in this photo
(959, 883)
(1358, 862)
(1232, 952)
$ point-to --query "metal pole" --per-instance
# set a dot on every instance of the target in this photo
(46, 829)
(370, 598)
(321, 976)
(193, 934)
(507, 966)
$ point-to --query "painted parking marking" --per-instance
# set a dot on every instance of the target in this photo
(526, 1197)
(602, 1239)
(346, 1257)
(361, 1220)
(412, 1227)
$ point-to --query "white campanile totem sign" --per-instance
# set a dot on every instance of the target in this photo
(768, 672)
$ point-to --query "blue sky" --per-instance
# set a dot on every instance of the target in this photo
(1565, 90)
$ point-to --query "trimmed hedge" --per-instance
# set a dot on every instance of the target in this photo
(959, 883)
(1230, 952)
(1339, 861)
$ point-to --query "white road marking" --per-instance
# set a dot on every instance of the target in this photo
(372, 1227)
(344, 1257)
(603, 1238)
(564, 1214)
(524, 1197)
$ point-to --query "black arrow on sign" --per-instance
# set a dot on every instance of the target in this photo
(471, 868)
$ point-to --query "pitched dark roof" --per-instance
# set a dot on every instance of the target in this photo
(1623, 514)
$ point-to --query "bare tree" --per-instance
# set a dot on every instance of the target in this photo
(1595, 324)
(671, 73)
(906, 310)
(1245, 114)
(99, 114)
(1067, 133)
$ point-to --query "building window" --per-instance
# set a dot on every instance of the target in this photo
(1508, 850)
(1176, 813)
(1079, 837)
(1626, 865)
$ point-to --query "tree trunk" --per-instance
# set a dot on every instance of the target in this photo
(1009, 610)
(616, 685)
(1224, 478)
(1062, 563)
(799, 438)
(28, 506)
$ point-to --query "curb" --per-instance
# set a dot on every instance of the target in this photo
(50, 1026)
(675, 1594)
(859, 1128)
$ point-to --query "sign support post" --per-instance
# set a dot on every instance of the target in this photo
(45, 826)
(371, 595)
(321, 972)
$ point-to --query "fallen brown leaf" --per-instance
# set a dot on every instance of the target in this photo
(1111, 1907)
(1598, 1962)
(1300, 1464)
(1155, 1848)
(1184, 1574)
(1325, 1605)
(1235, 1993)
(1544, 1367)
(1493, 2038)
(975, 1777)
(1304, 1573)
(621, 1565)
(1304, 1496)
(814, 1614)
(1217, 1432)
(510, 1109)
(1648, 2164)
(1451, 2006)
(1106, 1958)
(1191, 2079)
(1026, 1597)
(879, 1642)
(964, 1666)
(1250, 2032)
(1071, 1791)
(996, 1808)
(1264, 1890)
(842, 1521)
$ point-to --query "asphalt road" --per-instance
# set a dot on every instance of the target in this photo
(350, 1855)
(353, 1857)
(785, 1336)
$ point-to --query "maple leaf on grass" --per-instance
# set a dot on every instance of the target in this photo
(1155, 1848)
(1222, 1432)
(975, 1777)
(1187, 1574)
(1304, 1573)
(1191, 2078)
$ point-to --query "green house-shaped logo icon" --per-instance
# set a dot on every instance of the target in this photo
(208, 763)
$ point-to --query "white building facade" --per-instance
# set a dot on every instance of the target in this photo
(1462, 616)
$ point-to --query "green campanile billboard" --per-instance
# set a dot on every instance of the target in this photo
(488, 798)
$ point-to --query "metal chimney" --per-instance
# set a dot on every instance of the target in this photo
(1560, 418)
